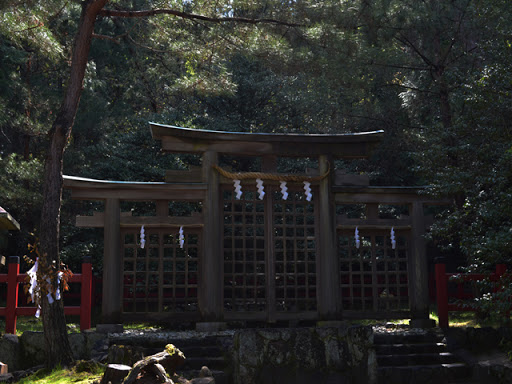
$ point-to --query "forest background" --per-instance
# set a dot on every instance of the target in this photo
(435, 75)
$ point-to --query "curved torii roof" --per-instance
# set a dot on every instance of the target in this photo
(345, 145)
(7, 221)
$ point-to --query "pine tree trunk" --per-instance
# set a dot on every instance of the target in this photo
(57, 347)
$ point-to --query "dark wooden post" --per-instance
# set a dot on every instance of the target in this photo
(328, 281)
(12, 294)
(211, 265)
(112, 264)
(418, 278)
(442, 295)
(86, 294)
(372, 213)
(162, 211)
(269, 164)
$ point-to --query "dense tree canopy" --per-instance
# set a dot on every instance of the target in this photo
(435, 75)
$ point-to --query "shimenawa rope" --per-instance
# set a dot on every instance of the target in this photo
(267, 176)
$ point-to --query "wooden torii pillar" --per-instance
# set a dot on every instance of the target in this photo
(111, 307)
(420, 313)
(211, 272)
(329, 299)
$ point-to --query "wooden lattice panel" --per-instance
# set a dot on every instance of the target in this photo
(161, 277)
(294, 252)
(373, 277)
(269, 252)
(244, 252)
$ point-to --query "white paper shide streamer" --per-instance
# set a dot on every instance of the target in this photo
(307, 190)
(57, 293)
(142, 237)
(393, 240)
(238, 189)
(284, 189)
(181, 238)
(49, 295)
(259, 185)
(356, 237)
(32, 274)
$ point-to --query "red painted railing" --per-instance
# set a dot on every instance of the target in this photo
(443, 307)
(13, 278)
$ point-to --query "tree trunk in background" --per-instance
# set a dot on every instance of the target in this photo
(444, 103)
(57, 347)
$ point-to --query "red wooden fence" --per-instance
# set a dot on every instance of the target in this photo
(443, 307)
(13, 278)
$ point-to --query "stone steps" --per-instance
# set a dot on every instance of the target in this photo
(423, 374)
(213, 362)
(200, 350)
(220, 377)
(207, 352)
(417, 357)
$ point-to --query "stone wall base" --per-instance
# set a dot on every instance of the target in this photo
(340, 354)
(211, 326)
(27, 350)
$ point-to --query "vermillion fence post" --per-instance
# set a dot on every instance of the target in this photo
(442, 295)
(86, 296)
(501, 269)
(12, 294)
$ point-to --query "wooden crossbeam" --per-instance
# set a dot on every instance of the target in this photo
(127, 220)
(344, 223)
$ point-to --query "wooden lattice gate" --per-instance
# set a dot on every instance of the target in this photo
(162, 277)
(269, 254)
(258, 259)
(374, 278)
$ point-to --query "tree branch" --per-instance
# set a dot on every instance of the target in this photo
(145, 46)
(454, 39)
(412, 68)
(404, 40)
(104, 37)
(38, 25)
(193, 16)
(409, 88)
(463, 54)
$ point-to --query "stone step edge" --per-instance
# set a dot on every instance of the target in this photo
(163, 339)
(213, 371)
(216, 363)
(380, 339)
(194, 351)
(448, 357)
(195, 373)
(413, 367)
(406, 355)
(205, 358)
(409, 345)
